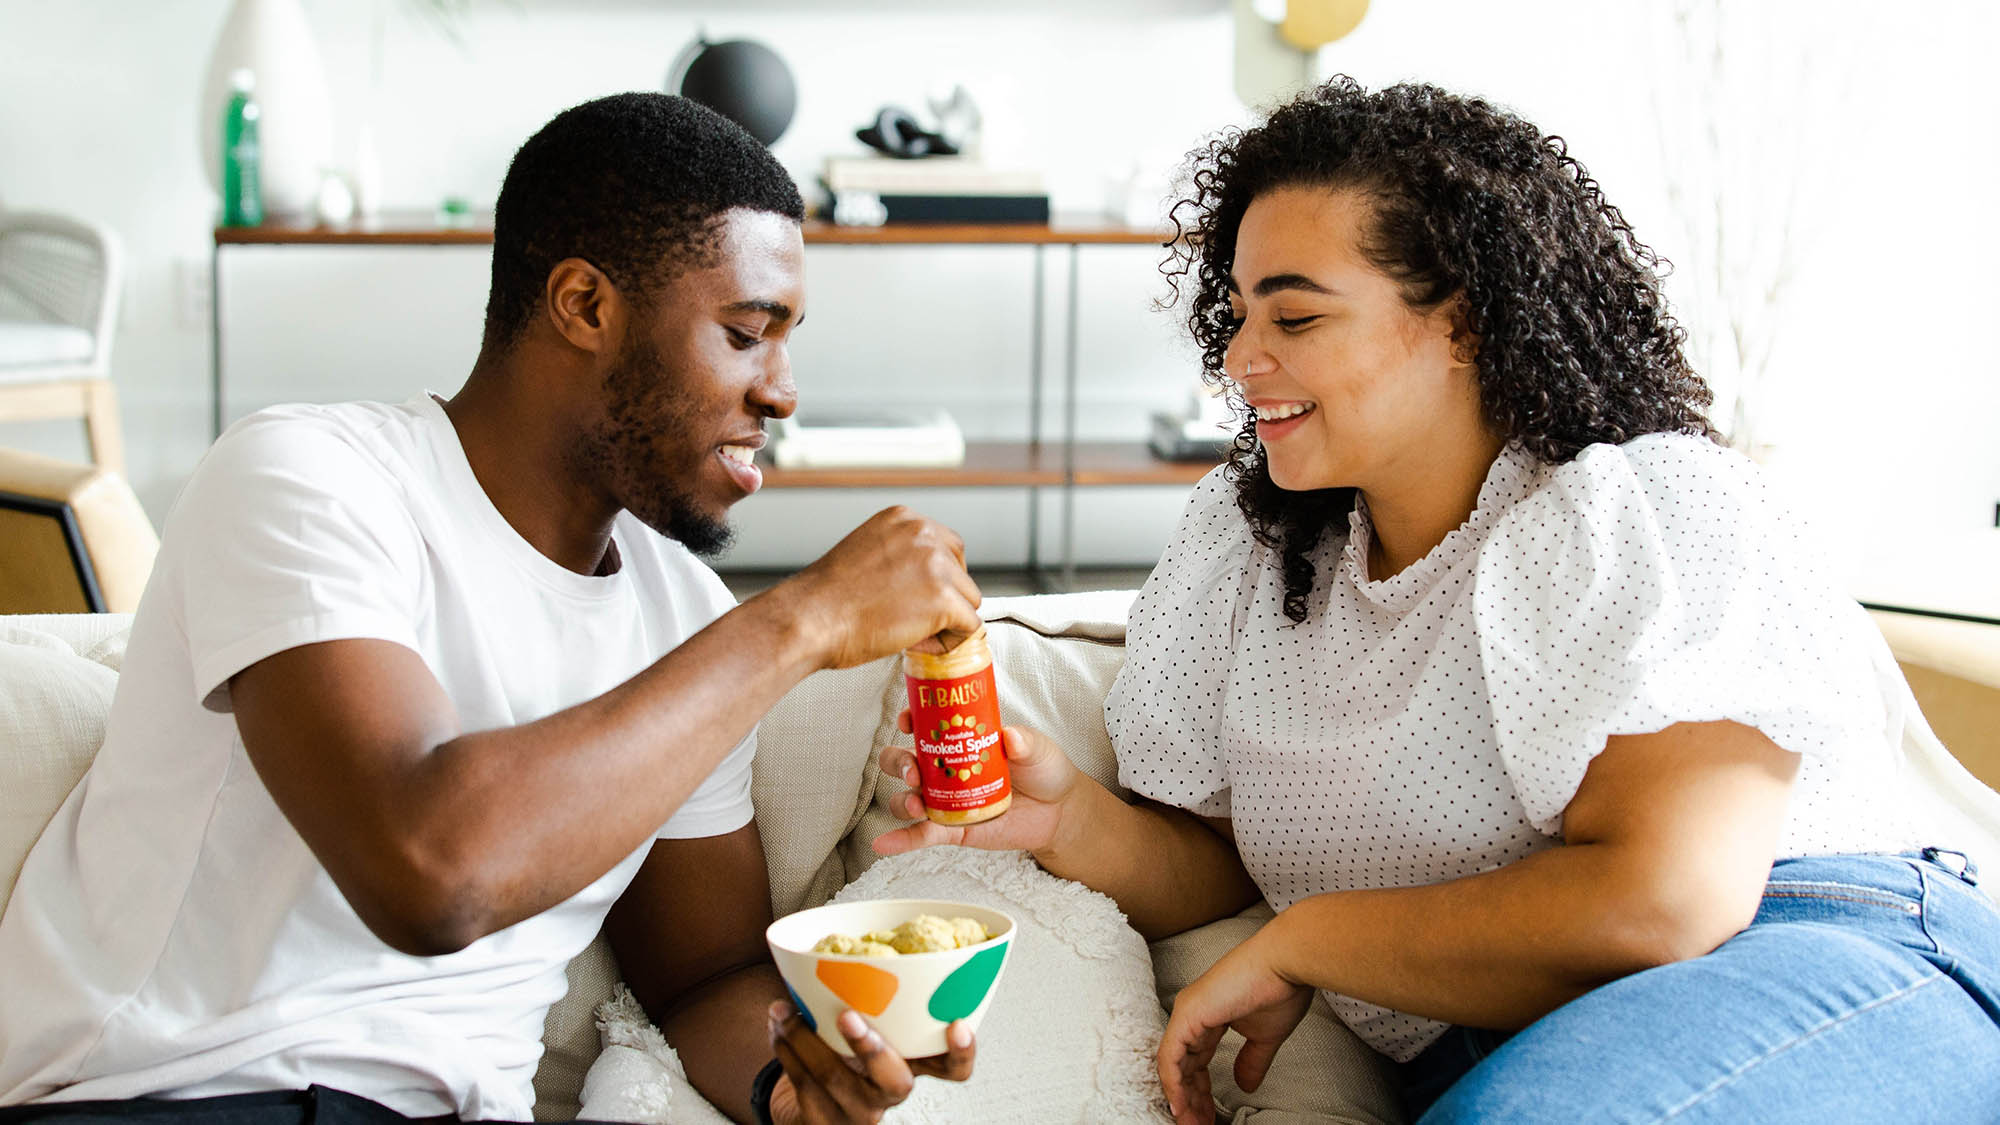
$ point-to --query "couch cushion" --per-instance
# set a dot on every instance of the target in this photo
(1953, 667)
(570, 1042)
(814, 776)
(100, 637)
(55, 690)
(1325, 1073)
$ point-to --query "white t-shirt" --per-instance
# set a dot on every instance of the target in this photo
(1435, 724)
(171, 934)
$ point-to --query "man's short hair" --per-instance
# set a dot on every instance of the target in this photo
(633, 184)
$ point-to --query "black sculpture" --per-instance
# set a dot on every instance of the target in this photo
(742, 80)
(895, 132)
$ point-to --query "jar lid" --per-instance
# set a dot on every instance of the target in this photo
(967, 654)
(951, 639)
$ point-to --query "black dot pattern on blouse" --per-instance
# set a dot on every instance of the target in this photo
(1434, 725)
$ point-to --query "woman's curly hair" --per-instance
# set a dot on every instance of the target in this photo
(1576, 345)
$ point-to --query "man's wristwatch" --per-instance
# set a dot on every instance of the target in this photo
(760, 1090)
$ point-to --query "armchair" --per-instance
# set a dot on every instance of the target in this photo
(59, 289)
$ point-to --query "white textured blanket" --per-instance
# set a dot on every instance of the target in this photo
(1069, 1038)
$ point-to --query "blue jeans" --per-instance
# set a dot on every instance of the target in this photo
(1866, 989)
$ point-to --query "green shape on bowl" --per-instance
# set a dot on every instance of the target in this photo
(805, 1013)
(960, 994)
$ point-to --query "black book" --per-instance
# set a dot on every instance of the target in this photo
(859, 208)
(1171, 441)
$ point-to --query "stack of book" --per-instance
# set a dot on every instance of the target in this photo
(867, 439)
(1205, 431)
(1175, 438)
(872, 190)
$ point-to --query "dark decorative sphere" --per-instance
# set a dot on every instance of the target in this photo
(744, 81)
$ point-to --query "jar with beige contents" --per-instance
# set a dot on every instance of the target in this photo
(955, 718)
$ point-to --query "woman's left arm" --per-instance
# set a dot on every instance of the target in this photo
(1667, 845)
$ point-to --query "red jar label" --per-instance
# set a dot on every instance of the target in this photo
(957, 728)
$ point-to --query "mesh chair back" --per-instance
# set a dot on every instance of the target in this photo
(57, 270)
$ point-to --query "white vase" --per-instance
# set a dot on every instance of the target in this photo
(272, 39)
(334, 205)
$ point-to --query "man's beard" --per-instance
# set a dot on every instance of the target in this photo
(638, 390)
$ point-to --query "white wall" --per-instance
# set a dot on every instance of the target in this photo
(1887, 401)
(97, 118)
(1884, 404)
(1089, 92)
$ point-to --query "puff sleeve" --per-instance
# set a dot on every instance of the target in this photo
(1650, 584)
(1164, 711)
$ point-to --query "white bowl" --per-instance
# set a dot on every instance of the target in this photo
(909, 998)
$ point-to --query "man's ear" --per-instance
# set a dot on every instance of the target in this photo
(584, 307)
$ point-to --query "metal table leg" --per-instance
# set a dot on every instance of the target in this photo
(215, 339)
(1069, 429)
(1036, 335)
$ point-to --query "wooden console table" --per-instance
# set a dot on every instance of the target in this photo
(1063, 462)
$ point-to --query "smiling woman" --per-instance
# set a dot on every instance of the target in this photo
(1516, 695)
(1574, 781)
(1488, 231)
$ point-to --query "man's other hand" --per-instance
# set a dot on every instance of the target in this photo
(822, 1088)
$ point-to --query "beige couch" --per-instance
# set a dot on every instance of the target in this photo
(820, 802)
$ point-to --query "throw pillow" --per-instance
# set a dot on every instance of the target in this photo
(1072, 1033)
(1069, 1038)
(639, 1078)
(53, 703)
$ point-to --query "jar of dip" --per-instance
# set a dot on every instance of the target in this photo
(955, 718)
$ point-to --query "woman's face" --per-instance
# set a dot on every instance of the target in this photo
(1351, 386)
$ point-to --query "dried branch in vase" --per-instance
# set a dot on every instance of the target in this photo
(1746, 99)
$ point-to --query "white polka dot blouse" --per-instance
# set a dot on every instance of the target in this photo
(1435, 724)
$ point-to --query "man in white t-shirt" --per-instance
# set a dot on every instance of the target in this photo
(421, 696)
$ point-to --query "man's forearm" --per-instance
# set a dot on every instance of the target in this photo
(537, 812)
(720, 1033)
(1164, 868)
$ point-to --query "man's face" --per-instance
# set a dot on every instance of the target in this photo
(704, 364)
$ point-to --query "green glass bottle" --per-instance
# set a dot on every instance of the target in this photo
(242, 200)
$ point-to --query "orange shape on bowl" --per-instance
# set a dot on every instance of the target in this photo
(864, 988)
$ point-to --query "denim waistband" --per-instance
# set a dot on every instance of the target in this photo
(1889, 871)
(1958, 863)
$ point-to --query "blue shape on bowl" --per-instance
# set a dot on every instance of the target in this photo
(805, 1013)
(961, 993)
